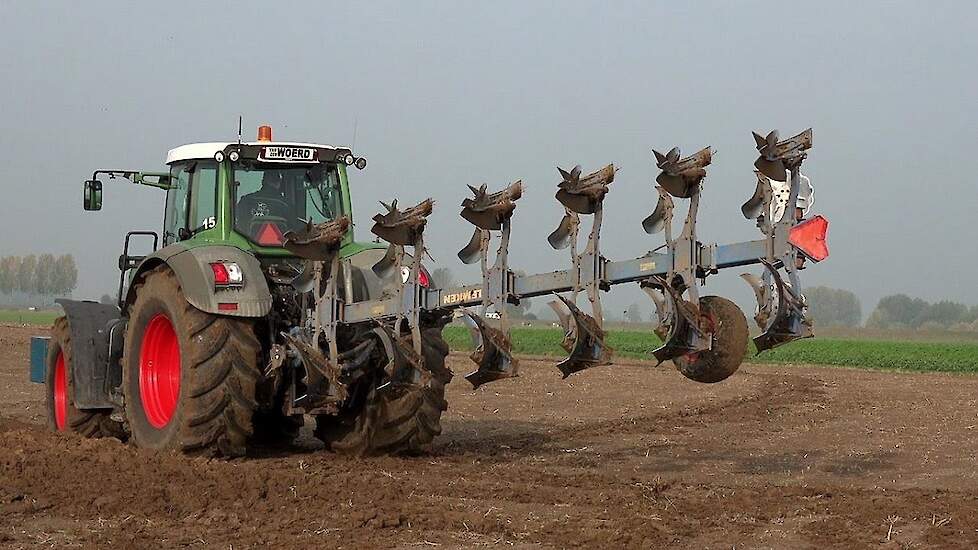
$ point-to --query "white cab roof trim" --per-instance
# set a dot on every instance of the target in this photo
(209, 149)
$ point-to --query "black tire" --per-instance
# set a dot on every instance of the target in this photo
(399, 421)
(88, 422)
(272, 427)
(729, 343)
(218, 369)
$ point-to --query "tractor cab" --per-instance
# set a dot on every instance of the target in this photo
(245, 195)
(252, 194)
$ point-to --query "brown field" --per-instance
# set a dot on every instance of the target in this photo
(623, 456)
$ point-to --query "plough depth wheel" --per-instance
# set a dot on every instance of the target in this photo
(729, 327)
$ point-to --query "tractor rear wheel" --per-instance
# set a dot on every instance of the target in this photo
(729, 343)
(63, 416)
(189, 377)
(401, 420)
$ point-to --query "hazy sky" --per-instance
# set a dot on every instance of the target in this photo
(446, 94)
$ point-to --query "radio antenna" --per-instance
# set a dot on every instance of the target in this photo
(239, 129)
(353, 145)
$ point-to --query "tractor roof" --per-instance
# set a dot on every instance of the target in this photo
(209, 149)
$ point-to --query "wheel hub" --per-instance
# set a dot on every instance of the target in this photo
(60, 392)
(159, 371)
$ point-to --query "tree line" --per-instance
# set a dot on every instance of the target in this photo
(46, 275)
(833, 306)
(902, 311)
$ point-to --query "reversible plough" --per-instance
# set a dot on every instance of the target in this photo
(705, 336)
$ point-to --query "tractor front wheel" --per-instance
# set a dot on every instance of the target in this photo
(63, 416)
(729, 343)
(189, 377)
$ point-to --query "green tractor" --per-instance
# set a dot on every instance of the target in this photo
(193, 357)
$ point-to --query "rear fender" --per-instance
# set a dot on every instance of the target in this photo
(97, 331)
(193, 271)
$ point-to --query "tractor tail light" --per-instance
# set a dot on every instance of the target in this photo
(227, 275)
(424, 279)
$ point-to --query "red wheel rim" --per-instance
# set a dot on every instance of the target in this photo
(159, 371)
(60, 392)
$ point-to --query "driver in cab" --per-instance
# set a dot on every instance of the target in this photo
(268, 204)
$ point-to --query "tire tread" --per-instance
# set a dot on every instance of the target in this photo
(400, 421)
(223, 362)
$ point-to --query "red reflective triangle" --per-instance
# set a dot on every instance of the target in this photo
(809, 237)
(270, 235)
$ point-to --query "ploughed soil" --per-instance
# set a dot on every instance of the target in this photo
(625, 456)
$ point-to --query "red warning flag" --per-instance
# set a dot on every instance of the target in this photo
(809, 237)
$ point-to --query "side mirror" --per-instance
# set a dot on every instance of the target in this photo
(93, 195)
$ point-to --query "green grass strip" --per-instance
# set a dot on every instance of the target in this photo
(911, 356)
(872, 354)
(26, 317)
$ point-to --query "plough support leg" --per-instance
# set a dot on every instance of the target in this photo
(781, 312)
(492, 352)
(584, 340)
(678, 322)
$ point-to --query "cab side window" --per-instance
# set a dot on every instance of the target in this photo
(191, 200)
(203, 196)
(175, 217)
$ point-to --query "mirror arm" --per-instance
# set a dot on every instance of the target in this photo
(160, 180)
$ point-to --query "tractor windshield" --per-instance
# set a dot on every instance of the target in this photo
(271, 200)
